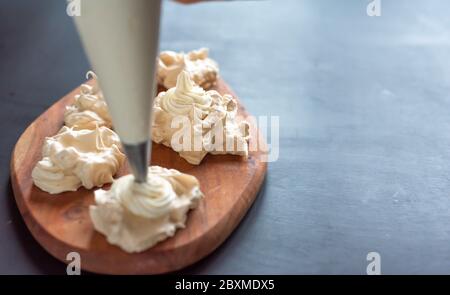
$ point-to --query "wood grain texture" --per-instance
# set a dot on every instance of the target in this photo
(61, 223)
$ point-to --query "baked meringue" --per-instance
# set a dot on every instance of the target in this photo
(89, 108)
(203, 70)
(209, 122)
(74, 158)
(136, 216)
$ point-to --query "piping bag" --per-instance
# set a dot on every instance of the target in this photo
(121, 38)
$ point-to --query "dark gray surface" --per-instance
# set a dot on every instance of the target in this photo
(364, 106)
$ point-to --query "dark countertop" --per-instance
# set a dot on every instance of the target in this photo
(364, 106)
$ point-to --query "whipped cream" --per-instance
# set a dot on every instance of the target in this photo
(202, 69)
(89, 108)
(212, 121)
(74, 158)
(136, 216)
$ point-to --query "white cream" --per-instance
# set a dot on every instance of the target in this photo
(89, 109)
(136, 216)
(211, 117)
(74, 158)
(203, 70)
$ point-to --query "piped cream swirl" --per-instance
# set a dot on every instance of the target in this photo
(181, 99)
(202, 70)
(151, 199)
(74, 158)
(209, 122)
(89, 109)
(136, 216)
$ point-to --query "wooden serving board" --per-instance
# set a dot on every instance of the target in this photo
(61, 223)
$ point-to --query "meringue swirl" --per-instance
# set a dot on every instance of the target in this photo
(209, 122)
(89, 108)
(136, 216)
(51, 178)
(74, 158)
(202, 70)
(181, 99)
(151, 199)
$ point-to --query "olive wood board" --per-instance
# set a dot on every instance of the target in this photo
(61, 223)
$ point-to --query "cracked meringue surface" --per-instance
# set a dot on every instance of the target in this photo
(136, 216)
(74, 158)
(89, 108)
(208, 122)
(202, 70)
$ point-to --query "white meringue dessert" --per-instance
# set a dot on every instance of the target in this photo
(74, 158)
(209, 122)
(202, 70)
(89, 109)
(136, 216)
